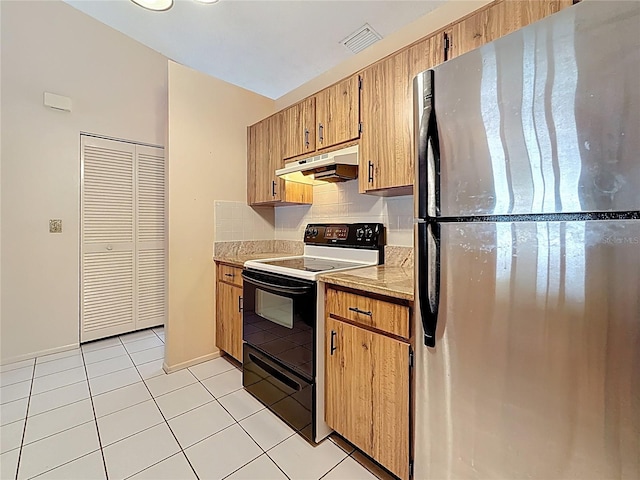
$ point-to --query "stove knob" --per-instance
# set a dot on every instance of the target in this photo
(368, 232)
(359, 233)
(307, 232)
(314, 232)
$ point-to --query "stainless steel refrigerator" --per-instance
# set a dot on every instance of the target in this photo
(527, 241)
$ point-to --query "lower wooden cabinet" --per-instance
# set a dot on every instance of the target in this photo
(229, 311)
(367, 391)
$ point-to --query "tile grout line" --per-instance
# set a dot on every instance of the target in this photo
(86, 379)
(238, 423)
(60, 431)
(16, 368)
(79, 366)
(295, 432)
(26, 417)
(219, 431)
(234, 419)
(70, 428)
(335, 466)
(182, 450)
(165, 421)
(95, 418)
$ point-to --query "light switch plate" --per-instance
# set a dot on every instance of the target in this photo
(55, 225)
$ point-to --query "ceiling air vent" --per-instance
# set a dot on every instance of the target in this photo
(361, 38)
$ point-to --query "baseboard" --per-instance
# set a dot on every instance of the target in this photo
(189, 363)
(40, 353)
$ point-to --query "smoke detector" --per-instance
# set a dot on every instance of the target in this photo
(361, 38)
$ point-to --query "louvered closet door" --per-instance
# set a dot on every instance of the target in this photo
(108, 238)
(150, 245)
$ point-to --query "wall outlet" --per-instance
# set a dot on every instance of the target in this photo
(55, 226)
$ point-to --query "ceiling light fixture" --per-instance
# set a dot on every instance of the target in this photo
(155, 5)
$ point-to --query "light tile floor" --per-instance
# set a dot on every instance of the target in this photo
(108, 410)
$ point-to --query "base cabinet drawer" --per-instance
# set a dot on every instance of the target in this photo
(379, 314)
(229, 274)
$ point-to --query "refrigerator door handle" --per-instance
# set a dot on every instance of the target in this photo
(427, 147)
(429, 279)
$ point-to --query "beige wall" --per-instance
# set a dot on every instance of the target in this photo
(118, 88)
(207, 152)
(422, 27)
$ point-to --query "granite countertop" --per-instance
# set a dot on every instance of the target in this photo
(238, 259)
(393, 281)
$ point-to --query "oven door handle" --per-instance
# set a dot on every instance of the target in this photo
(277, 288)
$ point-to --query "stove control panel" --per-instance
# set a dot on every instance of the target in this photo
(354, 235)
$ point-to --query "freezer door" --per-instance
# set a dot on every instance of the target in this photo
(535, 371)
(426, 146)
(546, 119)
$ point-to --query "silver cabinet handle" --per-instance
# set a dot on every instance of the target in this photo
(240, 304)
(333, 346)
(362, 312)
(306, 137)
(370, 171)
(320, 132)
(229, 275)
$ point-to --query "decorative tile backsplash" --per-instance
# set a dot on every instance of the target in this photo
(337, 202)
(236, 221)
(332, 202)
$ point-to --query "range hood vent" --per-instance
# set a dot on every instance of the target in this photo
(336, 166)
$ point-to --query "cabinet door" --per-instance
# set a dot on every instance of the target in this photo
(229, 319)
(367, 392)
(498, 20)
(276, 161)
(251, 164)
(338, 113)
(259, 167)
(299, 134)
(264, 156)
(386, 144)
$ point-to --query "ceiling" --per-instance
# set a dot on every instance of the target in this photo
(267, 46)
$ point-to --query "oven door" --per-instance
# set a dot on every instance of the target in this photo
(279, 318)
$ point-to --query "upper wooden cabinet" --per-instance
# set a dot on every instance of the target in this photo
(329, 118)
(338, 113)
(386, 143)
(259, 163)
(299, 128)
(376, 107)
(499, 19)
(264, 157)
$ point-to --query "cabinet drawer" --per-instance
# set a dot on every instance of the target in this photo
(385, 316)
(229, 274)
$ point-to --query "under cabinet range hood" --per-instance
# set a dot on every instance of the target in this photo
(336, 166)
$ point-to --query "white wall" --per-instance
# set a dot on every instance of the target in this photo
(207, 152)
(341, 202)
(119, 89)
(442, 16)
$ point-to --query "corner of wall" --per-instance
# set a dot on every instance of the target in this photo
(207, 158)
